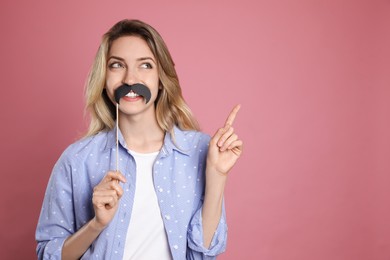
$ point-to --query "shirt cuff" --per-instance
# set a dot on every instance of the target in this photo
(195, 235)
(50, 250)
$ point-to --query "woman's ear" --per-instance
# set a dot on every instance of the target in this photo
(160, 85)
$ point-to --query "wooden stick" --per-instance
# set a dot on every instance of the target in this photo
(117, 141)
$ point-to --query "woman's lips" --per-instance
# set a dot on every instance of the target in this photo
(132, 97)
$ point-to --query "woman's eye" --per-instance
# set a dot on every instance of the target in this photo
(146, 65)
(116, 65)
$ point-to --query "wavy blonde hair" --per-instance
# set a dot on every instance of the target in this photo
(171, 109)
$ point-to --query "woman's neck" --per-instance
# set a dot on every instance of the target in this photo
(141, 135)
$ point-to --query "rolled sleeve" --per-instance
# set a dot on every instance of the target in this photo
(195, 238)
(56, 221)
(50, 249)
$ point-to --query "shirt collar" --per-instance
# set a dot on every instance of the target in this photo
(111, 139)
(174, 140)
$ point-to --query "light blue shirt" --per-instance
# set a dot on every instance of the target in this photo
(179, 182)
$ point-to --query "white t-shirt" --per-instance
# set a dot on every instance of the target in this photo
(146, 237)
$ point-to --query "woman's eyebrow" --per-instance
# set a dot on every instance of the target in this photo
(116, 57)
(145, 58)
(138, 59)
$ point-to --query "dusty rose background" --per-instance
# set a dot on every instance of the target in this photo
(314, 83)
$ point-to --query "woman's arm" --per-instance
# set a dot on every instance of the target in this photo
(212, 205)
(224, 150)
(105, 202)
(76, 245)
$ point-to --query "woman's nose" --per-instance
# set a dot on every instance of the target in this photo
(130, 77)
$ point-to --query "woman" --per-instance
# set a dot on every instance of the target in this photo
(165, 198)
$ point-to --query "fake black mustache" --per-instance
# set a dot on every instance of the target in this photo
(138, 88)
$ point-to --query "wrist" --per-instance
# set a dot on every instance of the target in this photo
(96, 226)
(215, 177)
(215, 184)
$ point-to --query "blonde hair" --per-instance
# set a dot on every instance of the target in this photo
(171, 108)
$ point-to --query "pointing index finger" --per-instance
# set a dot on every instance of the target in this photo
(232, 115)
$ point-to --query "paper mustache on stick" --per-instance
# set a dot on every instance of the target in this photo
(138, 88)
(119, 93)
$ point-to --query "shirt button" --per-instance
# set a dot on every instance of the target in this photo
(160, 190)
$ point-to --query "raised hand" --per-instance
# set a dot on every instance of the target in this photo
(106, 196)
(225, 147)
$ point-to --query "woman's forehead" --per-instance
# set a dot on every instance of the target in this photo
(130, 44)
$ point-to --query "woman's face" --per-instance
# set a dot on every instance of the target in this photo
(131, 61)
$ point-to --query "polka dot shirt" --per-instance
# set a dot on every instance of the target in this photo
(179, 181)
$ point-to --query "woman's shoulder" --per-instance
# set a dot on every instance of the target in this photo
(191, 135)
(190, 140)
(87, 145)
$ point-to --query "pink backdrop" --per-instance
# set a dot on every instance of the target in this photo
(314, 83)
